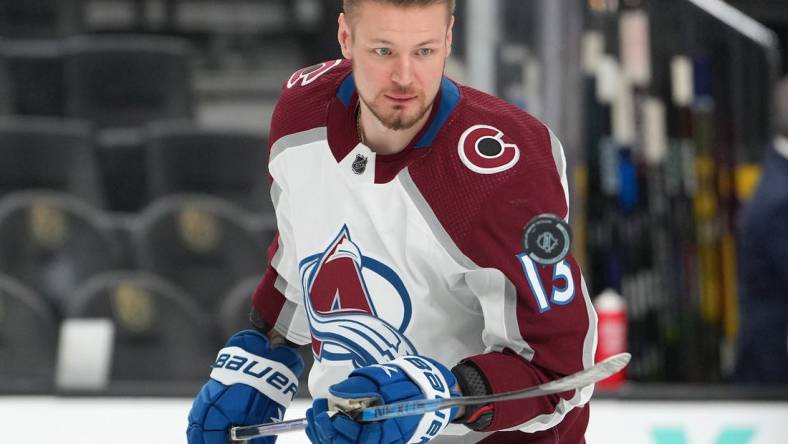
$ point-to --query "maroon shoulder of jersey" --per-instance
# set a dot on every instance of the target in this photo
(494, 165)
(306, 95)
(498, 168)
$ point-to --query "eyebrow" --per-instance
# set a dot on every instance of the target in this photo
(424, 43)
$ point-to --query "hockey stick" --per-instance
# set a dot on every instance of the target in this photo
(574, 381)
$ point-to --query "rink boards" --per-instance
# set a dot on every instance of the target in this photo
(127, 421)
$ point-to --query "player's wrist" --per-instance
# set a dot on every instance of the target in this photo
(472, 382)
(275, 338)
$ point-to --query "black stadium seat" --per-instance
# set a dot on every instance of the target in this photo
(35, 76)
(53, 242)
(121, 83)
(202, 243)
(28, 340)
(40, 18)
(6, 97)
(160, 334)
(48, 153)
(128, 81)
(231, 164)
(233, 314)
(264, 227)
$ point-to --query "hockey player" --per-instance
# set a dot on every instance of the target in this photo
(411, 256)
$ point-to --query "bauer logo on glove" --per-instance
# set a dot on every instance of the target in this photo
(234, 365)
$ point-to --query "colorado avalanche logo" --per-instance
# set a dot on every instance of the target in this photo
(346, 295)
(483, 150)
(309, 74)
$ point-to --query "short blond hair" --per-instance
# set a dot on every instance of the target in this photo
(349, 6)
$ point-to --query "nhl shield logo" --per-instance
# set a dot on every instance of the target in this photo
(360, 164)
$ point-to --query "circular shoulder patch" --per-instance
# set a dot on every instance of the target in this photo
(547, 239)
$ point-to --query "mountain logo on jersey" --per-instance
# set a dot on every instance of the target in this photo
(358, 307)
(483, 150)
(307, 75)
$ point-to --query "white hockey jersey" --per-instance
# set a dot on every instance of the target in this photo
(421, 252)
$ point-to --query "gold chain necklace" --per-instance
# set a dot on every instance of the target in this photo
(359, 131)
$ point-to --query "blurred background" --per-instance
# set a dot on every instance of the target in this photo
(135, 215)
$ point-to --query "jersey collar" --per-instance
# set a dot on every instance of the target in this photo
(448, 98)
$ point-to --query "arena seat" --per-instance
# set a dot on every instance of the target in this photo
(186, 158)
(35, 76)
(202, 243)
(28, 340)
(40, 18)
(53, 242)
(264, 227)
(5, 86)
(49, 153)
(160, 334)
(120, 83)
(128, 81)
(233, 313)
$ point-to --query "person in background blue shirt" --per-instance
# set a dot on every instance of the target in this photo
(763, 266)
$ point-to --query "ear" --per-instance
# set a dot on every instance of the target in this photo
(450, 36)
(344, 36)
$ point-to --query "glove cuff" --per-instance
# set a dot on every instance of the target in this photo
(273, 379)
(435, 381)
(473, 383)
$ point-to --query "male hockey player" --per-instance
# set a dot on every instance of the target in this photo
(410, 243)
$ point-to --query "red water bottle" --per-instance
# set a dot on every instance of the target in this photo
(612, 330)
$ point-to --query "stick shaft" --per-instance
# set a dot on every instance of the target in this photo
(271, 428)
(574, 381)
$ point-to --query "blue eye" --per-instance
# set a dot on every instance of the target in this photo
(382, 51)
(425, 51)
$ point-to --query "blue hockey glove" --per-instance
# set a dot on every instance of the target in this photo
(251, 383)
(405, 378)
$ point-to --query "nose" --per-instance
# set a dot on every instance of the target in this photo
(402, 74)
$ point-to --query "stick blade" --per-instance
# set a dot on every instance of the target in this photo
(602, 370)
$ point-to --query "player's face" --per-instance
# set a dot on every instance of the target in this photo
(398, 57)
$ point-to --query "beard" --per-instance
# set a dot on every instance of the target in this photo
(396, 119)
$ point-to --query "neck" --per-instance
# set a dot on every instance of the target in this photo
(383, 140)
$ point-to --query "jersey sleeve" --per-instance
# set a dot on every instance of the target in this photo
(278, 297)
(539, 323)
